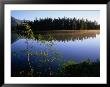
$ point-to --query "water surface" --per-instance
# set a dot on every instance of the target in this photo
(73, 46)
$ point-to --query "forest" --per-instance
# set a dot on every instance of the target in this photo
(65, 23)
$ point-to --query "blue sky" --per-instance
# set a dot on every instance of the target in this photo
(33, 14)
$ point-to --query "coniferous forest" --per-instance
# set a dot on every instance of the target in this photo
(65, 23)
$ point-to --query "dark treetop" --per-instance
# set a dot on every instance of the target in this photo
(57, 24)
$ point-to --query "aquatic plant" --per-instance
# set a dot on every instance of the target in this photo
(48, 43)
(83, 69)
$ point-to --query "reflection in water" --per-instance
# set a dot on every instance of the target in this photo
(45, 57)
(63, 36)
(71, 35)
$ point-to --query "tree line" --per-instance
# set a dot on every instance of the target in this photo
(65, 23)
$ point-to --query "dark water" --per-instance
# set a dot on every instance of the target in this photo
(50, 54)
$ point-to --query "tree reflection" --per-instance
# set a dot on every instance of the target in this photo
(49, 61)
(75, 35)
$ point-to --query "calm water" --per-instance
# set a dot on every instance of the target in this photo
(64, 48)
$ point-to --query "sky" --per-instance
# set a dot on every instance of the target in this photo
(93, 15)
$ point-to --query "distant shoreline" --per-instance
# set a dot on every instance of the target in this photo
(70, 30)
(65, 31)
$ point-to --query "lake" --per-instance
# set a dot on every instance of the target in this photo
(52, 49)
